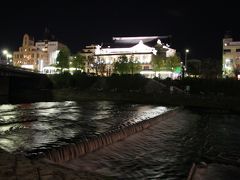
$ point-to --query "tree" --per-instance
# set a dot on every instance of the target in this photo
(134, 64)
(63, 58)
(160, 62)
(126, 65)
(121, 65)
(79, 62)
(211, 68)
(97, 64)
(173, 62)
(194, 67)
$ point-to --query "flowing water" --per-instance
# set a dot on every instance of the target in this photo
(39, 126)
(164, 151)
(168, 149)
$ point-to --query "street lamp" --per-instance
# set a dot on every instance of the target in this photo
(7, 54)
(186, 52)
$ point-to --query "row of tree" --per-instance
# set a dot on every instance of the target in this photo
(63, 60)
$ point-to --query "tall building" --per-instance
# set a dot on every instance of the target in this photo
(140, 48)
(28, 56)
(231, 57)
(51, 47)
(37, 56)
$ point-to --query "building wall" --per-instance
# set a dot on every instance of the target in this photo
(37, 55)
(231, 58)
(28, 56)
(52, 48)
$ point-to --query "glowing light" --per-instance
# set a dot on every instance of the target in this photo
(27, 66)
(187, 50)
(159, 42)
(5, 52)
(9, 56)
(134, 38)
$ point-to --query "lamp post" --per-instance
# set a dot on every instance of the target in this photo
(186, 52)
(7, 54)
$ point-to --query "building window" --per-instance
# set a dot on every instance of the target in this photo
(32, 55)
(227, 51)
(37, 55)
(237, 50)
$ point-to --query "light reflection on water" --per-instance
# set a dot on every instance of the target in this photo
(36, 126)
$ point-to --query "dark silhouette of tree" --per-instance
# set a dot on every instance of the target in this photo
(194, 67)
(79, 62)
(125, 65)
(134, 64)
(121, 65)
(63, 58)
(211, 68)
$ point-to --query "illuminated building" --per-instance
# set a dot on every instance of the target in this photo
(139, 48)
(231, 57)
(52, 48)
(29, 56)
(37, 56)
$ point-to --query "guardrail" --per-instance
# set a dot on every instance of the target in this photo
(15, 68)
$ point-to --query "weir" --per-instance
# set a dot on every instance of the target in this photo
(87, 145)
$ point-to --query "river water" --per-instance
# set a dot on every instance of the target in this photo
(38, 126)
(165, 151)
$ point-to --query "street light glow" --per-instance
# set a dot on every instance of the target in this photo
(5, 52)
(9, 56)
(187, 50)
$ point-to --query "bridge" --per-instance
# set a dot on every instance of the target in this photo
(18, 84)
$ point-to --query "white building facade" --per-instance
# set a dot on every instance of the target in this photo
(131, 47)
(52, 48)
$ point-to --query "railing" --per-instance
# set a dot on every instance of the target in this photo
(11, 67)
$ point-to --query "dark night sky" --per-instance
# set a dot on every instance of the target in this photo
(197, 25)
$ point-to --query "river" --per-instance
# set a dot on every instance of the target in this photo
(165, 151)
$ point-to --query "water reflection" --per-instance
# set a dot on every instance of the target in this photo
(38, 126)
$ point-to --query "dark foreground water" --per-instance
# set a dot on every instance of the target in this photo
(165, 151)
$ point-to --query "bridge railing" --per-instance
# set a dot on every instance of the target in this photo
(11, 67)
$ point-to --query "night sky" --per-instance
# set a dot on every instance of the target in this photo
(197, 25)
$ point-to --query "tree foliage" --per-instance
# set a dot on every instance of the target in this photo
(125, 65)
(99, 65)
(63, 58)
(211, 68)
(134, 65)
(79, 62)
(194, 67)
(160, 62)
